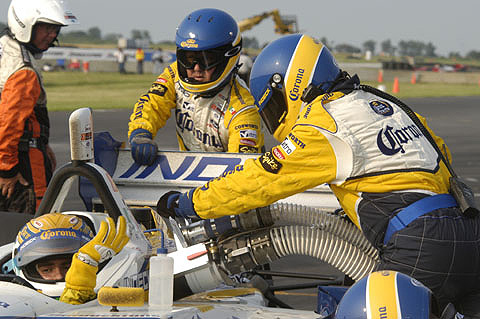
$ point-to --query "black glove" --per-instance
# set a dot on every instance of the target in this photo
(167, 203)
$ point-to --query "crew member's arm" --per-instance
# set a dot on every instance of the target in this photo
(153, 109)
(150, 113)
(19, 96)
(304, 160)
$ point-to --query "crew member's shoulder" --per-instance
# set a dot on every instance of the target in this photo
(10, 47)
(240, 95)
(170, 73)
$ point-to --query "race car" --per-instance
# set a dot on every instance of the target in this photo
(218, 264)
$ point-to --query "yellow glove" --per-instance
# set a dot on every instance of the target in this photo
(106, 244)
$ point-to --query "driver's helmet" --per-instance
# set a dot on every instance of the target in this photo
(385, 294)
(209, 38)
(24, 14)
(47, 236)
(280, 74)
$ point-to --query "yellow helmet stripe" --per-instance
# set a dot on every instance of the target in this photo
(300, 70)
(385, 305)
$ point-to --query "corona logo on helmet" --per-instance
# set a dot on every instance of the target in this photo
(385, 294)
(210, 38)
(281, 73)
(48, 236)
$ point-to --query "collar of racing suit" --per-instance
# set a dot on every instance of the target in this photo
(343, 83)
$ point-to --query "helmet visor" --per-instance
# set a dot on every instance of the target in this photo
(205, 59)
(275, 108)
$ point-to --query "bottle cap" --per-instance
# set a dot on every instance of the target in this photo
(162, 250)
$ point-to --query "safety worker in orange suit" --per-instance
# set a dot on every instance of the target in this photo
(140, 56)
(26, 159)
(214, 110)
(59, 255)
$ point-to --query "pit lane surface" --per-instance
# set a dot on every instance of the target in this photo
(454, 119)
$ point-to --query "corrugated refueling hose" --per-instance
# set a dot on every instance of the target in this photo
(323, 245)
(300, 230)
(293, 214)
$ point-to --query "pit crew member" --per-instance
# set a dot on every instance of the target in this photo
(388, 178)
(214, 110)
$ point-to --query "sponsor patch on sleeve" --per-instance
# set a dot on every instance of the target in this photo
(287, 146)
(277, 153)
(270, 163)
(158, 89)
(248, 134)
(161, 80)
(246, 141)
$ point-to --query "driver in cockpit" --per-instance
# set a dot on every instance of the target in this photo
(59, 255)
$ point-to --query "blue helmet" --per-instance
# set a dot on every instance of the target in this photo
(281, 73)
(209, 38)
(385, 294)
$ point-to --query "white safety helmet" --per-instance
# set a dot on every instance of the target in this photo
(24, 14)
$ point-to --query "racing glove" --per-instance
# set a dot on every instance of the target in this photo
(175, 204)
(106, 244)
(80, 280)
(144, 149)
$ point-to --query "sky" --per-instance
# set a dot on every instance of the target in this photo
(451, 26)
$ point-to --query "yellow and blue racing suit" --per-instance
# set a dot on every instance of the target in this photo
(224, 122)
(377, 162)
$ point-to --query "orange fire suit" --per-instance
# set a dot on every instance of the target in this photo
(24, 123)
(225, 122)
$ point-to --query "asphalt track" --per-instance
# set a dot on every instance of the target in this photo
(454, 119)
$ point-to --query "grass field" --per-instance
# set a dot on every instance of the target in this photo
(71, 90)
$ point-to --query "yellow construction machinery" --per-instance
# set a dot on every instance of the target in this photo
(283, 24)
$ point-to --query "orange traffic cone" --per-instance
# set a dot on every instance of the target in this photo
(413, 80)
(380, 76)
(396, 88)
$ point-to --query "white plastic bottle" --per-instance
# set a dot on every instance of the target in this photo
(160, 286)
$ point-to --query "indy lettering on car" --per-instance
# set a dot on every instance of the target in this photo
(197, 174)
(396, 138)
(139, 280)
